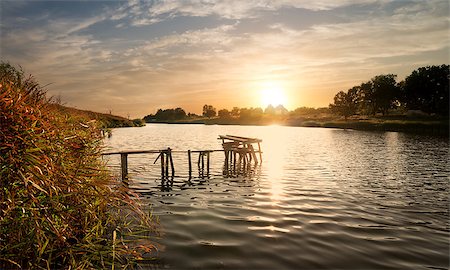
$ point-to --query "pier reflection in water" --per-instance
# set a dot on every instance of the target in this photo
(323, 199)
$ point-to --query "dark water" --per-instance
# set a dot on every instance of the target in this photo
(322, 199)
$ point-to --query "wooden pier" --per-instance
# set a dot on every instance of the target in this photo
(242, 146)
(238, 151)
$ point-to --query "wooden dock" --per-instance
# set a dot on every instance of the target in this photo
(242, 146)
(238, 151)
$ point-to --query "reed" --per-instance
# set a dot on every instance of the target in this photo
(59, 206)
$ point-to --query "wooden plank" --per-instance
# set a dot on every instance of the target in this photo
(244, 137)
(132, 152)
(239, 139)
(206, 151)
(156, 152)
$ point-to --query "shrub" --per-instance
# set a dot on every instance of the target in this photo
(58, 205)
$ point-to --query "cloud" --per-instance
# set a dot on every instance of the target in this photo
(147, 13)
(209, 62)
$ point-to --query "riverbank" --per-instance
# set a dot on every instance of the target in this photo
(429, 125)
(106, 120)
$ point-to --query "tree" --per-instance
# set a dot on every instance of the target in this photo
(209, 111)
(250, 114)
(303, 111)
(379, 94)
(270, 110)
(386, 92)
(167, 114)
(224, 114)
(346, 104)
(427, 89)
(235, 112)
(366, 105)
(281, 110)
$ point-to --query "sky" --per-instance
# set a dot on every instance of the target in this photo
(133, 57)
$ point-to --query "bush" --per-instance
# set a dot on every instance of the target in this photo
(58, 206)
(138, 122)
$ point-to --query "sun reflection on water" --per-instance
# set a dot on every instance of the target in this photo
(274, 153)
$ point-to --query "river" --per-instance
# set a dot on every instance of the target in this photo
(321, 199)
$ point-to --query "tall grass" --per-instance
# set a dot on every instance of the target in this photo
(59, 207)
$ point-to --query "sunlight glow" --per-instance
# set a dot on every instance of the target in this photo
(272, 93)
(274, 152)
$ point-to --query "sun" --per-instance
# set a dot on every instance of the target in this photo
(272, 94)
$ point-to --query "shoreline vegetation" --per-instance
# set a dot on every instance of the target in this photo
(106, 121)
(59, 205)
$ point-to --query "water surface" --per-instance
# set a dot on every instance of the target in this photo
(321, 199)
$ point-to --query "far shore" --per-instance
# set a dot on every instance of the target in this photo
(426, 126)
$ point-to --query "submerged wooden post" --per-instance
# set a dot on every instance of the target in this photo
(124, 165)
(234, 160)
(253, 154)
(207, 162)
(171, 161)
(230, 157)
(167, 164)
(203, 160)
(162, 163)
(259, 150)
(226, 157)
(190, 163)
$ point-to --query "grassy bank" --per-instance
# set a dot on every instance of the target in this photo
(105, 120)
(59, 207)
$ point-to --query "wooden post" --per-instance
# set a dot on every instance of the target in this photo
(190, 163)
(171, 161)
(167, 164)
(260, 154)
(226, 157)
(124, 165)
(203, 160)
(162, 163)
(207, 163)
(234, 160)
(252, 153)
(230, 153)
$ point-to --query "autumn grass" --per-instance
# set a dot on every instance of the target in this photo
(59, 207)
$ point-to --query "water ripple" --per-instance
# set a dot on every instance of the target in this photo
(329, 199)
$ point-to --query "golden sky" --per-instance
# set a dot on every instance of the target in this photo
(134, 57)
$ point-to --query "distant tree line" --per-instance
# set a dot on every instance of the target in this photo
(257, 113)
(425, 89)
(167, 114)
(236, 113)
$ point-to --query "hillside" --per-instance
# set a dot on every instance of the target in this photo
(107, 120)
